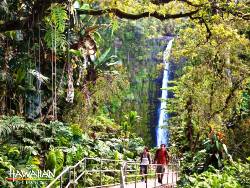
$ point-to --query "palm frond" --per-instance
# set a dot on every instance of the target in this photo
(9, 124)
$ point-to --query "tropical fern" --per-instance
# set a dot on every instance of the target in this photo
(13, 152)
(5, 165)
(30, 150)
(58, 17)
(9, 124)
(56, 24)
(55, 159)
(29, 141)
(34, 161)
(53, 37)
(4, 132)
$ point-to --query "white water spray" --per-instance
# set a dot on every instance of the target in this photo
(162, 132)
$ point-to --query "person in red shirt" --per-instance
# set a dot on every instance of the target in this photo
(161, 159)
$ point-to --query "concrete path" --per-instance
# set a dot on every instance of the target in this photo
(169, 180)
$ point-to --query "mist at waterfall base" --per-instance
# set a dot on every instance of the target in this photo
(162, 134)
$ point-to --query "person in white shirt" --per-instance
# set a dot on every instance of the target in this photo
(145, 161)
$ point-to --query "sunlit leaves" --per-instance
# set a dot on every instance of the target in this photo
(56, 24)
(57, 17)
(214, 73)
(137, 7)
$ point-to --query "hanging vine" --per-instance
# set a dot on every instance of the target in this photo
(55, 39)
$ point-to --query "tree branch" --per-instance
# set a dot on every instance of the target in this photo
(202, 20)
(13, 25)
(158, 2)
(237, 13)
(38, 14)
(122, 14)
(228, 99)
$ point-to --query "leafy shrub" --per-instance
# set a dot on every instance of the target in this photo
(76, 131)
(234, 175)
(5, 166)
(55, 145)
(55, 160)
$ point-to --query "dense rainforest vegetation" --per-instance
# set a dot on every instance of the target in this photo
(81, 79)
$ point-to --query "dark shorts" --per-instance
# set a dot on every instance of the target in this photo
(143, 169)
(160, 169)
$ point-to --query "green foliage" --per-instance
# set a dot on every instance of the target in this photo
(231, 176)
(212, 88)
(216, 149)
(103, 58)
(129, 122)
(56, 145)
(76, 131)
(210, 106)
(56, 24)
(238, 137)
(245, 102)
(102, 123)
(212, 155)
(9, 124)
(5, 166)
(208, 179)
(55, 160)
(13, 153)
(76, 153)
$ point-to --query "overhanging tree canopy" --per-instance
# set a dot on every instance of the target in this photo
(26, 13)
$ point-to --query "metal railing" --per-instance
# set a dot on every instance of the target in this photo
(127, 173)
(171, 175)
(71, 175)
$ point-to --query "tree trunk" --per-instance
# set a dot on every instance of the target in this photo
(4, 83)
(21, 104)
(190, 129)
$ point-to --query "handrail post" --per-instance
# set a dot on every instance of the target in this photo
(114, 172)
(176, 175)
(167, 166)
(135, 181)
(74, 177)
(155, 174)
(85, 167)
(61, 183)
(146, 177)
(69, 175)
(173, 173)
(101, 173)
(122, 175)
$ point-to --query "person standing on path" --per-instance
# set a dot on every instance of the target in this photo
(161, 159)
(145, 161)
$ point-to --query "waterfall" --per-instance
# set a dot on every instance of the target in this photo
(162, 132)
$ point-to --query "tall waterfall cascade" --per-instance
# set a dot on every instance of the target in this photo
(161, 131)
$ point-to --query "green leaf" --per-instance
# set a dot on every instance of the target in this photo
(103, 57)
(217, 145)
(76, 52)
(85, 7)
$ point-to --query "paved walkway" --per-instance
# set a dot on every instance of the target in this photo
(169, 180)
